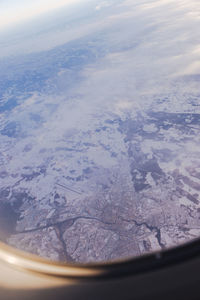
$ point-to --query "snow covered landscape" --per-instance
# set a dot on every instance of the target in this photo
(99, 129)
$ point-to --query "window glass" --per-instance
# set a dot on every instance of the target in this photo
(99, 127)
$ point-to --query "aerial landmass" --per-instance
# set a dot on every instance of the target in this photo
(99, 135)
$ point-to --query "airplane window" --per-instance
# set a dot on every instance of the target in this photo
(99, 127)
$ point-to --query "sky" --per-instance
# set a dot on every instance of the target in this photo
(17, 11)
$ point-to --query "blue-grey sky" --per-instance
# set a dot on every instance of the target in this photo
(17, 11)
